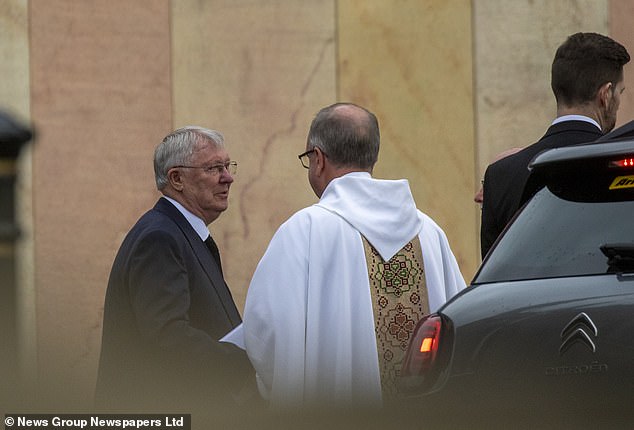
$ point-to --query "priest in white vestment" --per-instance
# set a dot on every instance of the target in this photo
(325, 313)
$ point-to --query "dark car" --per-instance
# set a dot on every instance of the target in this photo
(547, 324)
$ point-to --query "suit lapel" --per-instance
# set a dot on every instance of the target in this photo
(207, 263)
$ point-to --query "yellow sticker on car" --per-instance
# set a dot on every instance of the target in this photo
(622, 182)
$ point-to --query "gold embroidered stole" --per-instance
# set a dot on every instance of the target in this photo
(399, 301)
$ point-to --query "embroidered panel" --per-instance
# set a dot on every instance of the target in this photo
(399, 301)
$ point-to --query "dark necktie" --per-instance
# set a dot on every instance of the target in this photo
(214, 251)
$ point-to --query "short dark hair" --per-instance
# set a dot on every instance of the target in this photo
(582, 64)
(347, 140)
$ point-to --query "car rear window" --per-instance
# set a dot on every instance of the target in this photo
(560, 231)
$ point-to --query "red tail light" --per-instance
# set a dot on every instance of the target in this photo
(423, 347)
(624, 162)
(418, 370)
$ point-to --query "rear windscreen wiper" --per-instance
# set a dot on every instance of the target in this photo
(620, 256)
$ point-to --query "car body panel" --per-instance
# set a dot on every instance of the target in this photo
(521, 323)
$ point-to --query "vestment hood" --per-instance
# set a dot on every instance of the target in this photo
(383, 211)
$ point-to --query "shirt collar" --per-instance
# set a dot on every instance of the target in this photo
(197, 224)
(576, 118)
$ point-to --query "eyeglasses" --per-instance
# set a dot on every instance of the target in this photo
(303, 158)
(216, 169)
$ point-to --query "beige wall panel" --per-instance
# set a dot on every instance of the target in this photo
(621, 23)
(14, 51)
(411, 65)
(100, 102)
(515, 42)
(258, 72)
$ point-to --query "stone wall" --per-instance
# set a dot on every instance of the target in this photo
(453, 82)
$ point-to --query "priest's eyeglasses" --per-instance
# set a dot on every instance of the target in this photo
(303, 158)
(216, 169)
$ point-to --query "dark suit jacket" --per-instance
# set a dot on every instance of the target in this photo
(504, 180)
(166, 307)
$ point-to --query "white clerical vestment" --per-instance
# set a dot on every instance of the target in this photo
(308, 327)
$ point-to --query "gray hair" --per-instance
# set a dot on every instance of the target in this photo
(347, 140)
(177, 149)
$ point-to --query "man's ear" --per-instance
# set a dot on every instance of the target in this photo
(320, 160)
(175, 178)
(605, 93)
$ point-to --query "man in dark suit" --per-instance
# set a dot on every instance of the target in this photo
(587, 80)
(167, 304)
